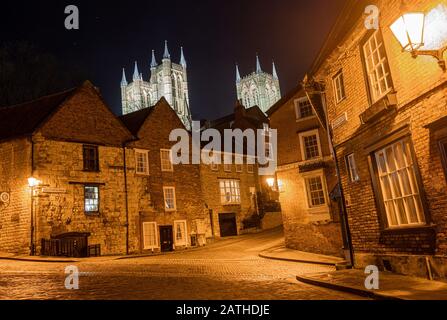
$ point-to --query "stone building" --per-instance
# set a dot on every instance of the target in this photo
(305, 176)
(168, 80)
(387, 108)
(165, 200)
(258, 88)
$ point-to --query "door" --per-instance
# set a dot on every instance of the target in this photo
(228, 225)
(166, 238)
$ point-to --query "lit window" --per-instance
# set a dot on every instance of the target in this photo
(310, 145)
(315, 192)
(166, 160)
(180, 233)
(339, 87)
(303, 108)
(379, 74)
(230, 192)
(150, 240)
(400, 193)
(142, 162)
(169, 196)
(352, 168)
(91, 199)
(91, 158)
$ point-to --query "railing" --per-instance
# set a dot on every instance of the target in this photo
(69, 245)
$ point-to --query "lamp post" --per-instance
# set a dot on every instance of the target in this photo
(32, 183)
(409, 30)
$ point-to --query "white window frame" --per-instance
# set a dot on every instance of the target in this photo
(156, 245)
(184, 241)
(308, 191)
(298, 114)
(163, 160)
(164, 199)
(303, 146)
(145, 154)
(395, 175)
(373, 67)
(353, 170)
(234, 185)
(339, 86)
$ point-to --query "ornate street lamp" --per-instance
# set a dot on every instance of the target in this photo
(409, 31)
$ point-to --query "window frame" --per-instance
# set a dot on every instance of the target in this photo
(185, 238)
(85, 161)
(157, 243)
(350, 169)
(309, 133)
(298, 113)
(250, 168)
(236, 195)
(323, 188)
(146, 156)
(96, 212)
(164, 199)
(339, 80)
(228, 167)
(171, 168)
(443, 149)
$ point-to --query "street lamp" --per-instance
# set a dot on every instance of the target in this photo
(32, 183)
(409, 30)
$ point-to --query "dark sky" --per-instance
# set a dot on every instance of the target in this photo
(215, 35)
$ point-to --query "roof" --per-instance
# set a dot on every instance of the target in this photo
(254, 115)
(133, 121)
(284, 99)
(24, 119)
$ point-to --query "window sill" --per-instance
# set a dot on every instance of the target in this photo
(409, 229)
(92, 214)
(142, 174)
(299, 120)
(384, 105)
(91, 171)
(231, 204)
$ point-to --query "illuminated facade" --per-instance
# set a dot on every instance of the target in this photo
(258, 88)
(168, 80)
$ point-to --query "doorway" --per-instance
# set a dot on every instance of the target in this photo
(166, 239)
(228, 225)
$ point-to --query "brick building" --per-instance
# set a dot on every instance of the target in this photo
(388, 114)
(305, 176)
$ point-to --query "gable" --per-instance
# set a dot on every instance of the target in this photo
(84, 117)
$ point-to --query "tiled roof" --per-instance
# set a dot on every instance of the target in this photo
(133, 121)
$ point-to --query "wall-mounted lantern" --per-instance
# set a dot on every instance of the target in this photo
(409, 30)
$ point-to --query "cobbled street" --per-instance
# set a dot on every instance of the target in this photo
(228, 269)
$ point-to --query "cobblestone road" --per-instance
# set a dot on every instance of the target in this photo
(230, 269)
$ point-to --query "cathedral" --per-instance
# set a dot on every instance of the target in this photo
(168, 80)
(258, 88)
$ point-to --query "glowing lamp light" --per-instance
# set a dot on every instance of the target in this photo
(271, 182)
(409, 30)
(33, 182)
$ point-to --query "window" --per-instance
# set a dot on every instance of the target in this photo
(399, 188)
(443, 146)
(269, 151)
(315, 191)
(142, 162)
(150, 239)
(180, 233)
(352, 168)
(227, 167)
(339, 87)
(230, 192)
(166, 160)
(250, 168)
(310, 145)
(169, 196)
(378, 70)
(303, 108)
(214, 166)
(91, 199)
(239, 168)
(91, 159)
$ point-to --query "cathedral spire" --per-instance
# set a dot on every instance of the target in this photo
(154, 61)
(136, 74)
(275, 74)
(166, 54)
(124, 80)
(258, 65)
(182, 58)
(238, 74)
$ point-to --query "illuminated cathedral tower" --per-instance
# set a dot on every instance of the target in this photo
(258, 88)
(168, 80)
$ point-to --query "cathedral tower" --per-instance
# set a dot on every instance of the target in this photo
(258, 88)
(168, 80)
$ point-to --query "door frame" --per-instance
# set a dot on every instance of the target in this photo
(160, 227)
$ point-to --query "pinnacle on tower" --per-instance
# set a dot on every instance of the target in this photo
(154, 61)
(136, 74)
(182, 58)
(124, 80)
(166, 54)
(258, 65)
(238, 74)
(275, 74)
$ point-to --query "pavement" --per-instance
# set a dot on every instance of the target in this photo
(285, 254)
(226, 270)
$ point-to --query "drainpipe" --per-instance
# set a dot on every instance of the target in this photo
(32, 249)
(346, 233)
(126, 198)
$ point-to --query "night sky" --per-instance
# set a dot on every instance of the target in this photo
(215, 35)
